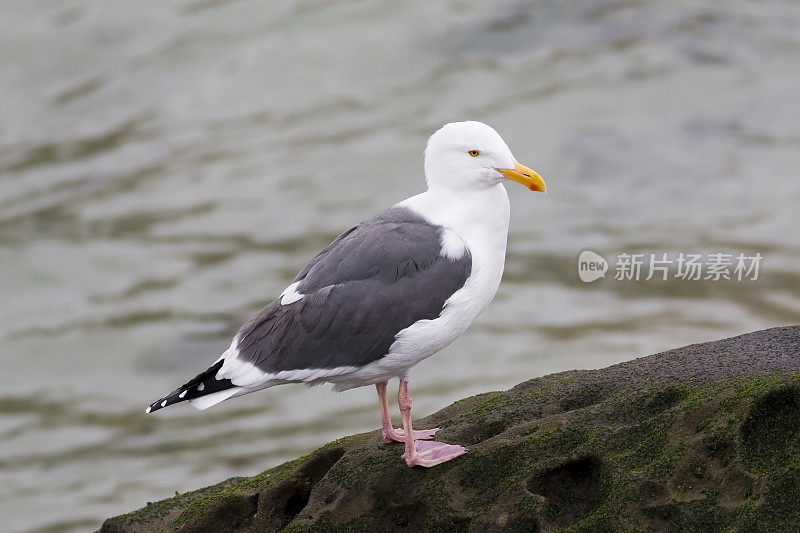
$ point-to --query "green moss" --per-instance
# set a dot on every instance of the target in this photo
(581, 397)
(695, 397)
(781, 504)
(770, 434)
(160, 509)
(609, 516)
(699, 515)
(698, 469)
(703, 425)
(198, 505)
(720, 443)
(662, 466)
(492, 472)
(758, 385)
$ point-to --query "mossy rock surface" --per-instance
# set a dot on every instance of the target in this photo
(702, 438)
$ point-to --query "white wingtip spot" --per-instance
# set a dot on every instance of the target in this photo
(164, 403)
(148, 409)
(181, 395)
(201, 387)
(290, 295)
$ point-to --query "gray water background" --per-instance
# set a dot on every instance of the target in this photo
(167, 167)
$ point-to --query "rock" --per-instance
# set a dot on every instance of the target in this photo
(705, 437)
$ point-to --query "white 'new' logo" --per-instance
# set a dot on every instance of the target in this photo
(591, 266)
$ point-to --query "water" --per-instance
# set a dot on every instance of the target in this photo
(167, 167)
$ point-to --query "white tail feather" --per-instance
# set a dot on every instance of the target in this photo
(204, 402)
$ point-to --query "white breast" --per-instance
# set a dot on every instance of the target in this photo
(477, 222)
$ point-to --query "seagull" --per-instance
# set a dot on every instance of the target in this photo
(387, 293)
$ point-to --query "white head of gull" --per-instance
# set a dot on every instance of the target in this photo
(387, 293)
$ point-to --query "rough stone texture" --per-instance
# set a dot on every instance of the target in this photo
(702, 438)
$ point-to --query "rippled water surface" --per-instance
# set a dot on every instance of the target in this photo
(167, 167)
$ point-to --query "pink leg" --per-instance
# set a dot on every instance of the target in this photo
(389, 433)
(422, 453)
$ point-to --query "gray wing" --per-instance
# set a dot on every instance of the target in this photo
(369, 284)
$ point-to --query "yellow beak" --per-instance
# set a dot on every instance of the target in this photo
(524, 175)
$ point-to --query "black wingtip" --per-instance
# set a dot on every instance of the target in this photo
(178, 395)
(163, 402)
(202, 384)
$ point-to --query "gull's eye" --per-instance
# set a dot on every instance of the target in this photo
(474, 153)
